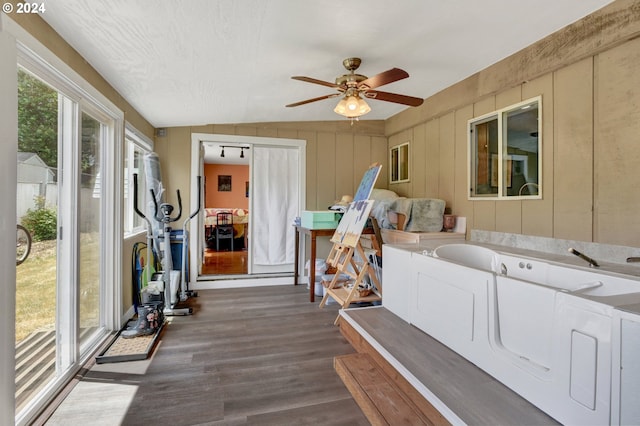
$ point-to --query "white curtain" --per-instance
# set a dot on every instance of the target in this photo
(275, 204)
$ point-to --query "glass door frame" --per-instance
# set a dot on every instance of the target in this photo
(19, 48)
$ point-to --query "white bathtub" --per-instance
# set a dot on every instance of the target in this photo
(543, 329)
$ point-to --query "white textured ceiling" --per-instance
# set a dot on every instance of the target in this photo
(189, 62)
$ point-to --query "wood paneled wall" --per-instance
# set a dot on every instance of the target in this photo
(337, 154)
(587, 76)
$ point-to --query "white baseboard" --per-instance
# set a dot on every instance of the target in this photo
(240, 283)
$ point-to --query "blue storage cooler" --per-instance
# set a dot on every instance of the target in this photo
(177, 239)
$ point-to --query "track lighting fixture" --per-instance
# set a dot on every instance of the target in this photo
(241, 148)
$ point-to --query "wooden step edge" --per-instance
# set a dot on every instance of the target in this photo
(359, 395)
(361, 345)
(381, 401)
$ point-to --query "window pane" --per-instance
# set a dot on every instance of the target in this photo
(37, 210)
(138, 167)
(89, 205)
(484, 149)
(394, 165)
(134, 164)
(404, 162)
(520, 155)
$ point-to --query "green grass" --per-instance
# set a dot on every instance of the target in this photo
(36, 290)
(36, 287)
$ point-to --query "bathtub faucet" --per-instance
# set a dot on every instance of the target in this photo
(633, 259)
(503, 269)
(592, 263)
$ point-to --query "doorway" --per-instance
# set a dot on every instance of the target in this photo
(260, 181)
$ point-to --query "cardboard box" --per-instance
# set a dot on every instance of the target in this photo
(324, 219)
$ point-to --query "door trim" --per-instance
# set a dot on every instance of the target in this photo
(195, 227)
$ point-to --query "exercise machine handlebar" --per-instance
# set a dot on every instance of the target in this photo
(166, 209)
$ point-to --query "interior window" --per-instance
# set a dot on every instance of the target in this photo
(505, 152)
(136, 147)
(399, 163)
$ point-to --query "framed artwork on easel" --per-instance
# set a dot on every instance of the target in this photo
(352, 223)
(368, 182)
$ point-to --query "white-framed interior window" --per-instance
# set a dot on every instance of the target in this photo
(505, 152)
(399, 163)
(136, 146)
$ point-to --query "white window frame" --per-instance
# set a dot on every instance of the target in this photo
(134, 140)
(501, 153)
(396, 164)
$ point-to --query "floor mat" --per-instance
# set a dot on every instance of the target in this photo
(134, 349)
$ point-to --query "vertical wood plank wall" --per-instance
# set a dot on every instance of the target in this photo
(338, 154)
(587, 77)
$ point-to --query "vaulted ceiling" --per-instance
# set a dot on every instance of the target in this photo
(189, 62)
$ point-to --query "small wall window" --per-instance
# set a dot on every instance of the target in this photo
(505, 152)
(136, 146)
(399, 163)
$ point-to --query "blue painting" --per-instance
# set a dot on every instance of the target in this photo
(368, 182)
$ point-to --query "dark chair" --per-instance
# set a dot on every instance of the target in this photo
(224, 228)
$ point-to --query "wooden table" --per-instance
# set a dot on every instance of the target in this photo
(313, 233)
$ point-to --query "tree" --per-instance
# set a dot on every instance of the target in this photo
(37, 118)
(38, 127)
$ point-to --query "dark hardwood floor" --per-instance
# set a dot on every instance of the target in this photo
(260, 356)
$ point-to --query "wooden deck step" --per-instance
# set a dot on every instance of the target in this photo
(379, 398)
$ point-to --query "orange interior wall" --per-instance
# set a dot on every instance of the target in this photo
(236, 198)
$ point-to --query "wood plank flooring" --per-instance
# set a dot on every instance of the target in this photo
(246, 356)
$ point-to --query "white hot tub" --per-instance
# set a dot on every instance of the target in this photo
(542, 328)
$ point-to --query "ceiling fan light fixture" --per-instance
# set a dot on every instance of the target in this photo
(352, 106)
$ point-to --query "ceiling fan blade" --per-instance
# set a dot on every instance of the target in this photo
(393, 97)
(308, 101)
(316, 81)
(394, 74)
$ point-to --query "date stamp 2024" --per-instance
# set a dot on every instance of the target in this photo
(24, 8)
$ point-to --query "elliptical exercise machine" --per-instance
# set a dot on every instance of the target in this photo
(170, 277)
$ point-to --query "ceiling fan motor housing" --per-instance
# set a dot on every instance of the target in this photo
(350, 80)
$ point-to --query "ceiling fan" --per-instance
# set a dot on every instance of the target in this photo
(354, 87)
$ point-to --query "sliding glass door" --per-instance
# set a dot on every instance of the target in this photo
(64, 299)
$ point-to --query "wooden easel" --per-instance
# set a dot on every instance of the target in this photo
(346, 244)
(341, 257)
